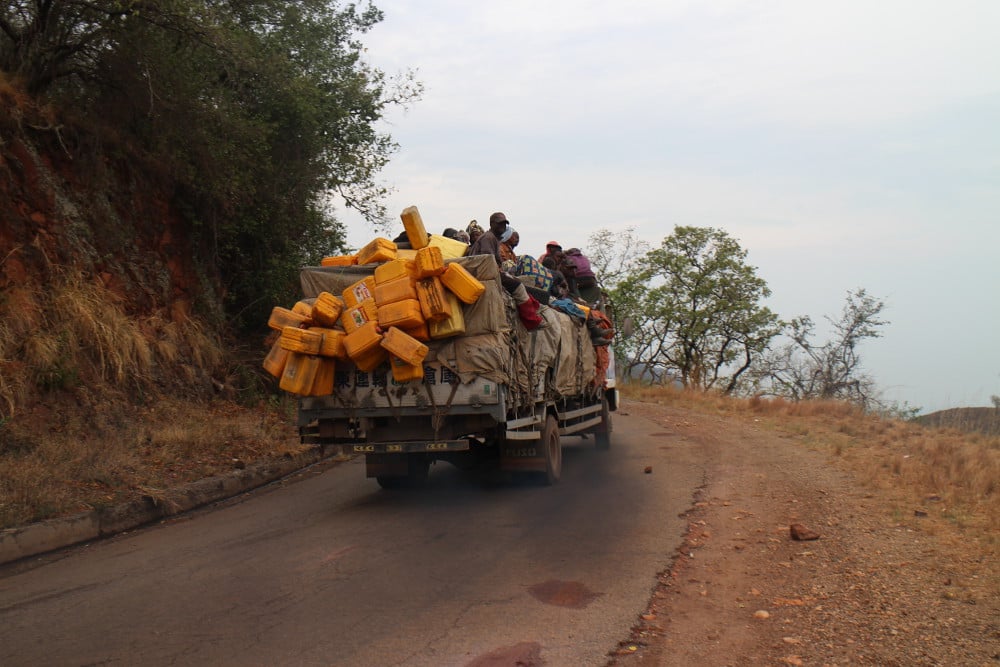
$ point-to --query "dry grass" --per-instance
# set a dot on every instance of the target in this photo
(74, 332)
(86, 417)
(54, 463)
(947, 473)
(86, 321)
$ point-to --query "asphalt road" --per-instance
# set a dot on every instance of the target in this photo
(331, 570)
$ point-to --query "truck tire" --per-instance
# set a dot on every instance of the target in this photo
(602, 438)
(418, 467)
(390, 482)
(551, 450)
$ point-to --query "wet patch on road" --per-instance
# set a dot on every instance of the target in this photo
(570, 594)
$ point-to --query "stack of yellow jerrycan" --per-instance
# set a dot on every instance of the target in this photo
(412, 298)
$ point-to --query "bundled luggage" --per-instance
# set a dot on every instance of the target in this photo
(534, 274)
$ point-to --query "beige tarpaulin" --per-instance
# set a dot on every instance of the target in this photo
(576, 364)
(485, 355)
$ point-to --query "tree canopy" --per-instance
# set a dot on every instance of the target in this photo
(806, 369)
(696, 309)
(256, 111)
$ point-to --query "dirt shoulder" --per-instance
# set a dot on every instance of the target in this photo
(882, 585)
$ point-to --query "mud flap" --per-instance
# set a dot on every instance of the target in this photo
(521, 456)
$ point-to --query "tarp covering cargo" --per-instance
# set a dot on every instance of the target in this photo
(576, 364)
(495, 345)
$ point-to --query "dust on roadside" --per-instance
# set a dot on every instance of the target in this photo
(875, 588)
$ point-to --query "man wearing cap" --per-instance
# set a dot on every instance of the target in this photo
(551, 248)
(489, 242)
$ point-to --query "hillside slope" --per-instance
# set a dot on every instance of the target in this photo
(70, 201)
(114, 372)
(99, 287)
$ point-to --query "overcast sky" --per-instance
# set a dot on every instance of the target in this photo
(844, 145)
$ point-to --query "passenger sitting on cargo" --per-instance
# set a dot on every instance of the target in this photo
(402, 241)
(489, 242)
(568, 269)
(474, 230)
(559, 288)
(586, 281)
(508, 241)
(552, 248)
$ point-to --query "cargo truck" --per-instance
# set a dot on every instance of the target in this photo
(495, 394)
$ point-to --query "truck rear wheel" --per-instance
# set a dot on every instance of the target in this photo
(551, 450)
(392, 482)
(418, 467)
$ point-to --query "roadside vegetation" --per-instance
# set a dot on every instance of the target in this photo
(690, 313)
(940, 472)
(74, 460)
(167, 167)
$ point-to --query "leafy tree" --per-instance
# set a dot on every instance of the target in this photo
(696, 308)
(805, 369)
(253, 112)
(46, 41)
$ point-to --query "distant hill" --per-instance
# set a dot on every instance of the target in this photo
(972, 420)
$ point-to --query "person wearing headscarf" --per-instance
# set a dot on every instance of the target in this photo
(508, 241)
(552, 248)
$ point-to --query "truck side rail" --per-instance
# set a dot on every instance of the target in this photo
(525, 428)
(577, 420)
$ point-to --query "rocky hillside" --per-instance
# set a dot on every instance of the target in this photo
(97, 283)
(68, 202)
(116, 377)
